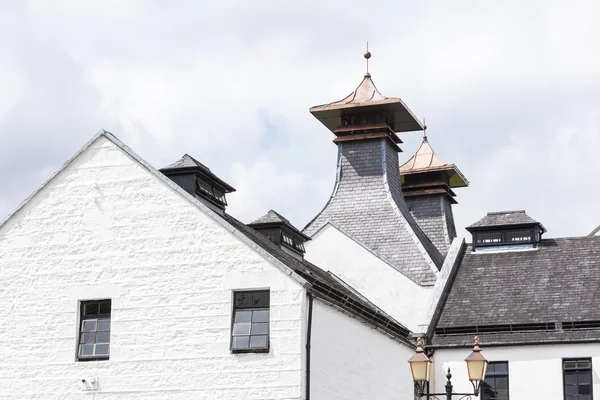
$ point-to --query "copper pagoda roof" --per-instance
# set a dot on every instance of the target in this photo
(366, 95)
(425, 160)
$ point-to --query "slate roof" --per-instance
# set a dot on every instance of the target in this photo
(273, 218)
(505, 218)
(327, 286)
(187, 162)
(525, 296)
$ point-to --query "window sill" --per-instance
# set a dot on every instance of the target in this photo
(86, 359)
(246, 351)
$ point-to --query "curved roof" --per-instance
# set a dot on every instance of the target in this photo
(425, 160)
(367, 95)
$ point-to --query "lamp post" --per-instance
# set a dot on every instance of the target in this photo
(420, 365)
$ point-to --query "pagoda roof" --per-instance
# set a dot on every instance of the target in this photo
(366, 95)
(425, 160)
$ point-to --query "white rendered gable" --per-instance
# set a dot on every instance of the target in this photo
(390, 290)
(107, 225)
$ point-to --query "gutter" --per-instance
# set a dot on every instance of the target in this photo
(308, 337)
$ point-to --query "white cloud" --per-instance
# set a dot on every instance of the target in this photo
(509, 89)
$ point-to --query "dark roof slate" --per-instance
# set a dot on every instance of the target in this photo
(270, 218)
(273, 218)
(500, 218)
(187, 162)
(327, 286)
(555, 283)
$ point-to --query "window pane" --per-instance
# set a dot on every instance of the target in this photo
(87, 338)
(90, 309)
(89, 325)
(570, 379)
(584, 364)
(102, 349)
(243, 300)
(585, 389)
(240, 342)
(86, 350)
(243, 316)
(260, 316)
(104, 307)
(260, 329)
(570, 364)
(571, 390)
(103, 337)
(241, 329)
(501, 383)
(501, 368)
(585, 378)
(260, 299)
(103, 325)
(258, 342)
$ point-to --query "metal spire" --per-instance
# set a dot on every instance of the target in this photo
(424, 130)
(367, 56)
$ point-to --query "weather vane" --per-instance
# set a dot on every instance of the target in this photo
(367, 56)
(424, 129)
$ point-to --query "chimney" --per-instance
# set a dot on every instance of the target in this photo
(427, 184)
(367, 202)
(198, 180)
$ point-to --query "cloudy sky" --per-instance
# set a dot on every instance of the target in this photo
(510, 91)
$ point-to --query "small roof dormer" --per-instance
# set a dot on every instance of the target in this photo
(199, 181)
(506, 230)
(281, 232)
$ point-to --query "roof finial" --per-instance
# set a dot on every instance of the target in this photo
(367, 56)
(424, 130)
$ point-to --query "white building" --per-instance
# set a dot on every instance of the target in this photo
(120, 281)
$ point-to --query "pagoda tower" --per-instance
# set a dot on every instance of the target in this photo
(367, 202)
(427, 184)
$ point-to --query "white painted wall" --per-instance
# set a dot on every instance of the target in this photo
(393, 292)
(352, 361)
(535, 372)
(107, 228)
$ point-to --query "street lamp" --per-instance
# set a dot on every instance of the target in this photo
(420, 365)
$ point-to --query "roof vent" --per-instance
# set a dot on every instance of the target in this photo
(198, 180)
(281, 232)
(506, 230)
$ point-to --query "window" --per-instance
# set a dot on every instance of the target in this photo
(495, 384)
(288, 240)
(250, 330)
(488, 238)
(505, 237)
(577, 379)
(211, 192)
(518, 236)
(94, 331)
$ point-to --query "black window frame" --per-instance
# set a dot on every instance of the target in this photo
(505, 237)
(243, 309)
(578, 371)
(492, 374)
(83, 317)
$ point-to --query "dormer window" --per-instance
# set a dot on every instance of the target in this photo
(506, 237)
(507, 230)
(281, 232)
(212, 192)
(198, 180)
